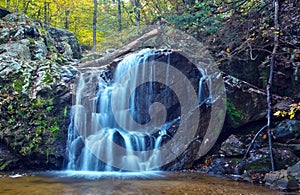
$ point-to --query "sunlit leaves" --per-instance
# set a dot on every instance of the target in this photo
(294, 108)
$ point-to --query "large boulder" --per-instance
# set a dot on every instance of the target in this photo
(245, 102)
(66, 42)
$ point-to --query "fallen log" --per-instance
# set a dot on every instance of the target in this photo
(122, 51)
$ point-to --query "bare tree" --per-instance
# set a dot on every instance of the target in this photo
(46, 12)
(7, 4)
(272, 64)
(137, 8)
(67, 13)
(95, 26)
(119, 16)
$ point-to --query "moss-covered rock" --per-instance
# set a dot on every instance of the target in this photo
(36, 80)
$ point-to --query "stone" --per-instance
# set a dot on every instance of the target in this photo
(16, 17)
(295, 171)
(287, 130)
(232, 146)
(27, 51)
(4, 35)
(282, 180)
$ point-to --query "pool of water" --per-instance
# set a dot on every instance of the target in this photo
(69, 182)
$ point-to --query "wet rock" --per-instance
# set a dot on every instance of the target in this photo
(295, 171)
(21, 27)
(38, 84)
(233, 147)
(282, 180)
(259, 160)
(287, 130)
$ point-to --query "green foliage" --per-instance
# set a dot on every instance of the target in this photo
(234, 114)
(27, 124)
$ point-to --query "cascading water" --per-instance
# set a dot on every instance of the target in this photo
(102, 137)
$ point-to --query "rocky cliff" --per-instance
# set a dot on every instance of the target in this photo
(36, 72)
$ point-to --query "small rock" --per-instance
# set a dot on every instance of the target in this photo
(295, 171)
(282, 180)
(233, 146)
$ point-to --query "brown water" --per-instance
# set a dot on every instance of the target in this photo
(135, 183)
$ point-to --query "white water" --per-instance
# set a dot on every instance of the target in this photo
(95, 126)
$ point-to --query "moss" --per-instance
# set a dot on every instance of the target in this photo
(235, 115)
(4, 165)
(264, 76)
(236, 161)
(38, 132)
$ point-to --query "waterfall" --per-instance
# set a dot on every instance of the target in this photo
(100, 136)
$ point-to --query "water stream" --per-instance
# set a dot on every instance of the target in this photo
(126, 183)
(111, 129)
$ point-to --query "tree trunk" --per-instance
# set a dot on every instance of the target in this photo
(26, 5)
(7, 4)
(119, 16)
(67, 19)
(95, 26)
(137, 8)
(45, 12)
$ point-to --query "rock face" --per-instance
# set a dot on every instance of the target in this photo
(36, 77)
(37, 72)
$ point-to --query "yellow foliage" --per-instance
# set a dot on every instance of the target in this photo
(291, 113)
